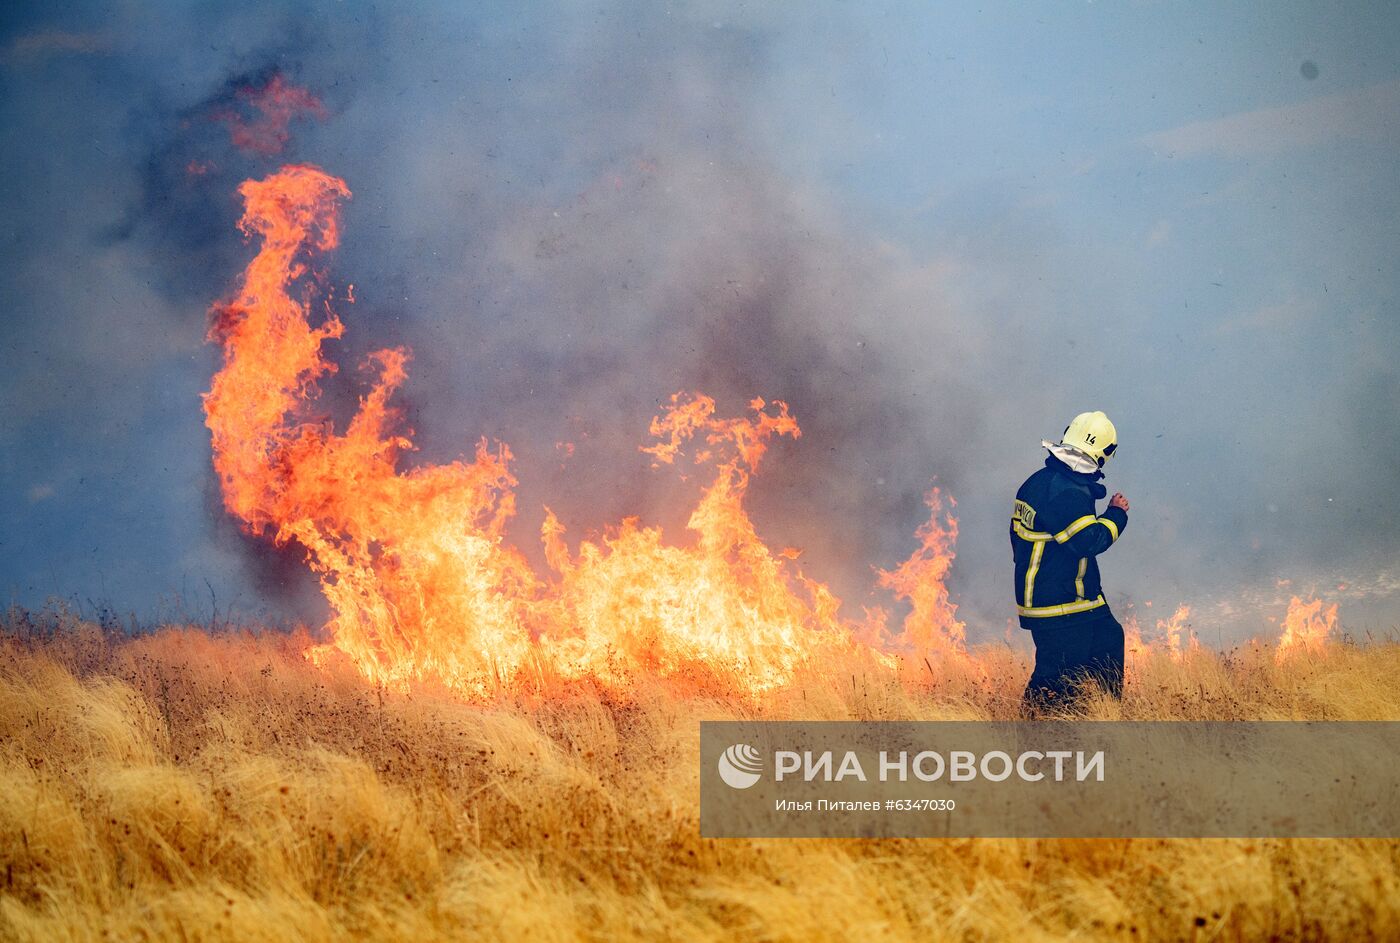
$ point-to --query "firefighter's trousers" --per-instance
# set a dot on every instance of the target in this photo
(1070, 660)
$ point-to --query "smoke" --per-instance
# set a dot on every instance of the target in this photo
(570, 213)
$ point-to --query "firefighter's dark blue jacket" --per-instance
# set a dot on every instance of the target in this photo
(1055, 536)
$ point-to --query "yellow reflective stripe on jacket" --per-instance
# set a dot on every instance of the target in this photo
(1025, 534)
(1079, 579)
(1084, 522)
(1075, 528)
(1031, 570)
(1065, 609)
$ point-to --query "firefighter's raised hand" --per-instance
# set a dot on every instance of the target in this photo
(1118, 501)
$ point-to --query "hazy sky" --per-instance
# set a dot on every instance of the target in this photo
(937, 230)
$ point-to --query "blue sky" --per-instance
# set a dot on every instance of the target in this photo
(938, 231)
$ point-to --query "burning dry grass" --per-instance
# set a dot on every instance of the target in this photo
(180, 785)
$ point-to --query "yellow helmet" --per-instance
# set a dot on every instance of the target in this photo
(1092, 434)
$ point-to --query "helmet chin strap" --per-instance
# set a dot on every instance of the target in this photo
(1072, 457)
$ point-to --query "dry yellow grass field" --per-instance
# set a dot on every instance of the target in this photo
(183, 785)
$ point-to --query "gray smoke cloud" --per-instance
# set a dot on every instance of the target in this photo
(569, 213)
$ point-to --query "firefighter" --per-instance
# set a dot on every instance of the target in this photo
(1056, 538)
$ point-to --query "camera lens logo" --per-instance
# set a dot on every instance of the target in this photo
(740, 766)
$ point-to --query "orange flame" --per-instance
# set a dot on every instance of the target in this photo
(1305, 628)
(1135, 651)
(1179, 637)
(631, 605)
(414, 563)
(932, 627)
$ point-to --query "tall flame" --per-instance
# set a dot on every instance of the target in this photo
(1179, 637)
(1305, 628)
(932, 627)
(414, 563)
